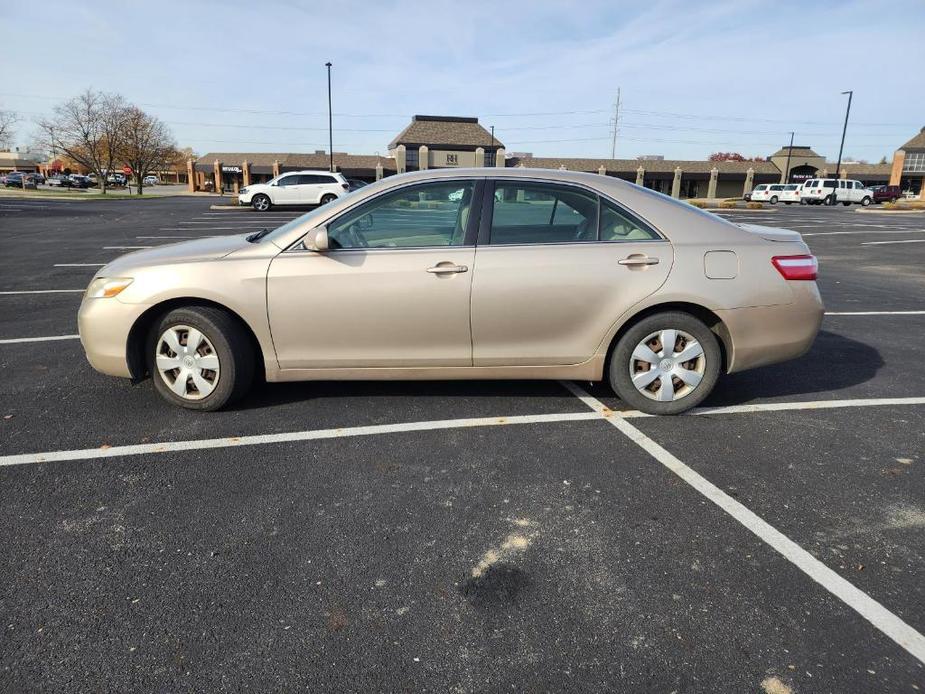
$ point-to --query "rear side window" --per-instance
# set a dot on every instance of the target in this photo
(542, 213)
(828, 183)
(618, 225)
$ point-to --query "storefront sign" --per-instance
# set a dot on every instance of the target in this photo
(231, 169)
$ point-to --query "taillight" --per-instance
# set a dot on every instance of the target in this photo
(796, 267)
(345, 186)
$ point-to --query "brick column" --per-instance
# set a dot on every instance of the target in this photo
(246, 173)
(190, 176)
(216, 175)
(379, 171)
(896, 173)
(275, 168)
(423, 158)
(676, 183)
(640, 176)
(479, 156)
(400, 166)
(749, 181)
(711, 189)
(602, 170)
(499, 158)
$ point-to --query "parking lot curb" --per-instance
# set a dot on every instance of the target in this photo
(229, 207)
(863, 211)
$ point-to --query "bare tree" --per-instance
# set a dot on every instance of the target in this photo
(145, 144)
(7, 120)
(87, 129)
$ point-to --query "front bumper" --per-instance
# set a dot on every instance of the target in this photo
(762, 335)
(104, 326)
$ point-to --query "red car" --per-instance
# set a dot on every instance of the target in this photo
(886, 193)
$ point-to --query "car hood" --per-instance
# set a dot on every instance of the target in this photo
(210, 248)
(771, 233)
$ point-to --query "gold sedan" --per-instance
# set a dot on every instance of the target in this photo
(463, 274)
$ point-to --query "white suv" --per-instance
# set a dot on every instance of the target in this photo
(766, 191)
(828, 191)
(295, 188)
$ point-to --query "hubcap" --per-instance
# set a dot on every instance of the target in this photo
(187, 362)
(667, 365)
(261, 203)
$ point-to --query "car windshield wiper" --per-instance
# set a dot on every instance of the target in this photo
(255, 237)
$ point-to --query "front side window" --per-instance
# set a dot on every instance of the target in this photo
(288, 181)
(428, 214)
(542, 213)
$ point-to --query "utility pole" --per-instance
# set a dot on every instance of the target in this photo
(330, 122)
(789, 152)
(615, 122)
(843, 131)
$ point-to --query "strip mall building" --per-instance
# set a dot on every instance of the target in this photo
(431, 142)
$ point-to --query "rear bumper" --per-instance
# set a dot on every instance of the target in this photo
(762, 335)
(104, 326)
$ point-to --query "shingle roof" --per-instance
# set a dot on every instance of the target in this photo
(917, 142)
(297, 160)
(651, 166)
(798, 151)
(861, 169)
(444, 130)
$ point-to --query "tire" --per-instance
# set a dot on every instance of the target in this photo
(261, 203)
(328, 197)
(223, 338)
(804, 202)
(866, 201)
(828, 200)
(624, 361)
(773, 200)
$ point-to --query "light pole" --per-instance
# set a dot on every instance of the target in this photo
(330, 122)
(789, 152)
(844, 129)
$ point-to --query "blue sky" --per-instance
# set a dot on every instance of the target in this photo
(695, 77)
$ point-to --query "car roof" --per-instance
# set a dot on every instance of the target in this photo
(312, 171)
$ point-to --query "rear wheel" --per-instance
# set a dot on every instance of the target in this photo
(828, 200)
(665, 364)
(328, 197)
(773, 200)
(200, 358)
(261, 203)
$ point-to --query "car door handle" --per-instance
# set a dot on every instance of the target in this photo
(638, 260)
(441, 269)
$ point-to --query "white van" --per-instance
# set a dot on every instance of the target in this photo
(828, 191)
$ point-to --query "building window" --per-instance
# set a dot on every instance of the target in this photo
(914, 162)
(411, 159)
(489, 158)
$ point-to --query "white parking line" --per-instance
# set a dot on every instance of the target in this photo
(168, 237)
(787, 406)
(871, 610)
(874, 313)
(79, 264)
(885, 243)
(310, 435)
(41, 291)
(241, 229)
(51, 338)
(876, 233)
(124, 248)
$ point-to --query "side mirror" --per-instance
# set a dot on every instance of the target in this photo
(317, 240)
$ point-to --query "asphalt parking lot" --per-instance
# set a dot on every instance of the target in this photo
(453, 536)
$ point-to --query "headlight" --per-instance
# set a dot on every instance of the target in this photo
(243, 190)
(107, 287)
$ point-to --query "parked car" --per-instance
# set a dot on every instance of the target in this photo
(79, 181)
(356, 183)
(150, 180)
(790, 193)
(886, 193)
(829, 191)
(59, 180)
(19, 179)
(115, 179)
(295, 188)
(579, 276)
(39, 178)
(769, 192)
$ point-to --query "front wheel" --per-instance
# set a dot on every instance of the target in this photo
(200, 358)
(665, 364)
(866, 201)
(261, 203)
